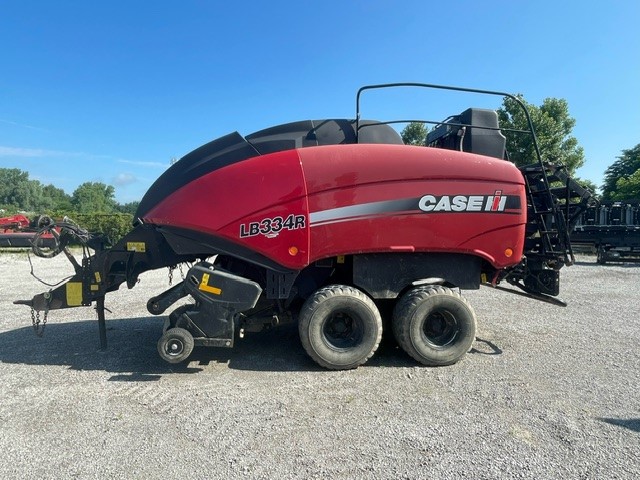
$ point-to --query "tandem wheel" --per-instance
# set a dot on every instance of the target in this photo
(435, 325)
(175, 345)
(340, 327)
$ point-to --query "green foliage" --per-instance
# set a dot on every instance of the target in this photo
(54, 197)
(553, 126)
(415, 133)
(114, 226)
(622, 178)
(94, 197)
(129, 207)
(627, 187)
(20, 194)
(17, 190)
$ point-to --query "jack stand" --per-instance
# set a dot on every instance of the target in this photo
(102, 326)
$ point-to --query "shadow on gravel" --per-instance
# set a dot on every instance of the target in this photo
(485, 347)
(630, 423)
(132, 356)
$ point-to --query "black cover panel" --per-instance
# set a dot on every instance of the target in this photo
(371, 272)
(201, 245)
(219, 153)
(312, 133)
(482, 140)
(373, 132)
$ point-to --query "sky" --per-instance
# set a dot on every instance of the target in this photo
(113, 91)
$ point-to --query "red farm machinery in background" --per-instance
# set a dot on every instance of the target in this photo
(328, 223)
(17, 231)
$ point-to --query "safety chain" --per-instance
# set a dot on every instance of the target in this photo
(38, 325)
(171, 269)
(36, 322)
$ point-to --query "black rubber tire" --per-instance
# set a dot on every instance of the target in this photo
(340, 327)
(175, 345)
(435, 325)
(43, 221)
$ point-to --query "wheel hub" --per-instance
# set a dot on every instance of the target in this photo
(175, 347)
(441, 328)
(342, 330)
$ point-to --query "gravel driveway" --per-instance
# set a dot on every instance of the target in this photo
(546, 392)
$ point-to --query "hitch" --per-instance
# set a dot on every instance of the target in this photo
(524, 293)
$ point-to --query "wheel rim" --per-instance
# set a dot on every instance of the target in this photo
(440, 328)
(343, 330)
(174, 347)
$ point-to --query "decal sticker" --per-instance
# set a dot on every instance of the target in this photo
(464, 203)
(496, 203)
(74, 294)
(136, 247)
(205, 287)
(271, 227)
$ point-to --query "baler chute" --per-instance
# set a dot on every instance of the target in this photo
(326, 221)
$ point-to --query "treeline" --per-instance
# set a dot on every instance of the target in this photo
(622, 177)
(19, 193)
(92, 205)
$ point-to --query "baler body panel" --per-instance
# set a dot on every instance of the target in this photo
(260, 203)
(389, 198)
(302, 205)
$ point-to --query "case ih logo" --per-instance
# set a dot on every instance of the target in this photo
(464, 203)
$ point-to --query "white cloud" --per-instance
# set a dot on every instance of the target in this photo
(34, 152)
(23, 152)
(145, 164)
(123, 179)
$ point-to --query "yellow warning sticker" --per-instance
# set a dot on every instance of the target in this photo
(74, 294)
(95, 288)
(136, 247)
(204, 286)
(340, 258)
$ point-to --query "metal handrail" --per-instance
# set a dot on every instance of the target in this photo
(445, 87)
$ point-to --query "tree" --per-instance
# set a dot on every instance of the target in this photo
(553, 126)
(129, 207)
(94, 197)
(622, 177)
(17, 190)
(55, 198)
(628, 187)
(415, 133)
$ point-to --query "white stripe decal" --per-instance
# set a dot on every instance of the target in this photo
(364, 209)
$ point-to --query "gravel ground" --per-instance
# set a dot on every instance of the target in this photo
(546, 392)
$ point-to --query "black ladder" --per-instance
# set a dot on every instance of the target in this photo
(555, 203)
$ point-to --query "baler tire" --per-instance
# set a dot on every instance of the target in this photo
(449, 333)
(340, 327)
(175, 345)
